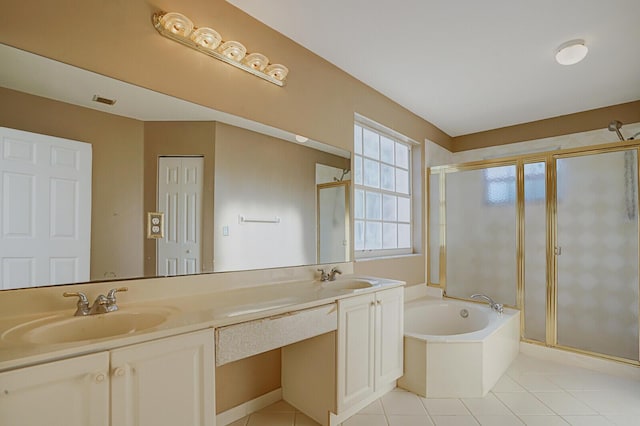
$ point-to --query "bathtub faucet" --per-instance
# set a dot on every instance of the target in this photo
(498, 307)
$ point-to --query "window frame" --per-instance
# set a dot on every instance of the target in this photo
(397, 138)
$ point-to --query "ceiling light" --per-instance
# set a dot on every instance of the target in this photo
(178, 27)
(301, 139)
(571, 52)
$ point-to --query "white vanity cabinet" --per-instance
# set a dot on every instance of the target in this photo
(370, 345)
(71, 392)
(164, 382)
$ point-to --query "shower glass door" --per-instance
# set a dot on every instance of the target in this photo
(597, 253)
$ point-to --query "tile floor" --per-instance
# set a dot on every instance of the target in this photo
(532, 392)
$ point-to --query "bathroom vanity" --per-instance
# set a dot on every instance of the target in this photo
(341, 349)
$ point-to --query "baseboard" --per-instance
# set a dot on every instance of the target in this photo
(580, 360)
(243, 410)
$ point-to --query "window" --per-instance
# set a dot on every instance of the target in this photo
(500, 183)
(382, 183)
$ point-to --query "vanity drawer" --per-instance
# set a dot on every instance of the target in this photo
(243, 340)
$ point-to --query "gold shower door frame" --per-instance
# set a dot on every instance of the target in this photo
(549, 158)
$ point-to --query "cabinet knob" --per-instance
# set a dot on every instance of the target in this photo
(118, 372)
(379, 302)
(373, 303)
(100, 378)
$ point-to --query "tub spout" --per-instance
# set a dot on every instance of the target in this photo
(498, 307)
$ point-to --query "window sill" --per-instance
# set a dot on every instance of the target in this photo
(387, 257)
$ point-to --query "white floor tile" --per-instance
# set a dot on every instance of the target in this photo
(610, 402)
(507, 384)
(374, 408)
(499, 420)
(623, 420)
(366, 420)
(445, 407)
(564, 403)
(409, 420)
(271, 419)
(402, 403)
(588, 421)
(524, 403)
(537, 383)
(487, 406)
(454, 421)
(303, 420)
(543, 421)
(585, 381)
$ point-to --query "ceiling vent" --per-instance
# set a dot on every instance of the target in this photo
(106, 101)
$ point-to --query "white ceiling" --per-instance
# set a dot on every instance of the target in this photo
(469, 66)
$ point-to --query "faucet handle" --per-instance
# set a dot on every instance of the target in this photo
(323, 274)
(112, 293)
(83, 302)
(111, 298)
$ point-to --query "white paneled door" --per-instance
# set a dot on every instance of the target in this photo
(180, 198)
(45, 212)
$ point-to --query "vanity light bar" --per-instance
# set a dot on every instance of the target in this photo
(178, 27)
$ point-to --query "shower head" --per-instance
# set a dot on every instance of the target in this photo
(615, 126)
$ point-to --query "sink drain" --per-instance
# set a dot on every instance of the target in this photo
(464, 313)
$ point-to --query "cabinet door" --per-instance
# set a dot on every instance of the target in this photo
(71, 392)
(389, 335)
(166, 382)
(356, 334)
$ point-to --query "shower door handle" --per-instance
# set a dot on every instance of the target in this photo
(557, 251)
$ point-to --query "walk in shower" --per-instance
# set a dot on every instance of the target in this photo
(554, 234)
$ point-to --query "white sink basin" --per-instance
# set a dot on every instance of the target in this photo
(352, 284)
(64, 329)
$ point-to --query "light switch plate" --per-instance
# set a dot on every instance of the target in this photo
(155, 225)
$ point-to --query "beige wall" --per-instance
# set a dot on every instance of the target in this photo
(175, 138)
(117, 143)
(262, 177)
(247, 379)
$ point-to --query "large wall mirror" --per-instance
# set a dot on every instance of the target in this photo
(230, 194)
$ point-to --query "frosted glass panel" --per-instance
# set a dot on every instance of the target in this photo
(434, 229)
(598, 260)
(389, 209)
(371, 144)
(388, 177)
(481, 237)
(371, 173)
(535, 258)
(387, 147)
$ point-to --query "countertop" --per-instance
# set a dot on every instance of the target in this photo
(190, 313)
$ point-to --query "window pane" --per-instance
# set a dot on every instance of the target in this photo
(389, 211)
(386, 150)
(374, 205)
(357, 165)
(371, 144)
(357, 139)
(402, 181)
(404, 235)
(387, 177)
(371, 173)
(358, 235)
(359, 207)
(373, 236)
(389, 236)
(402, 155)
(404, 209)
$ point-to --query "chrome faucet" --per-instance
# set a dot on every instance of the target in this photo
(329, 276)
(101, 305)
(498, 307)
(332, 274)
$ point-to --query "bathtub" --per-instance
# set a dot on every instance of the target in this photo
(455, 349)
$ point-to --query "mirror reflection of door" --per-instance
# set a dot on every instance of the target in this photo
(180, 199)
(45, 214)
(333, 222)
